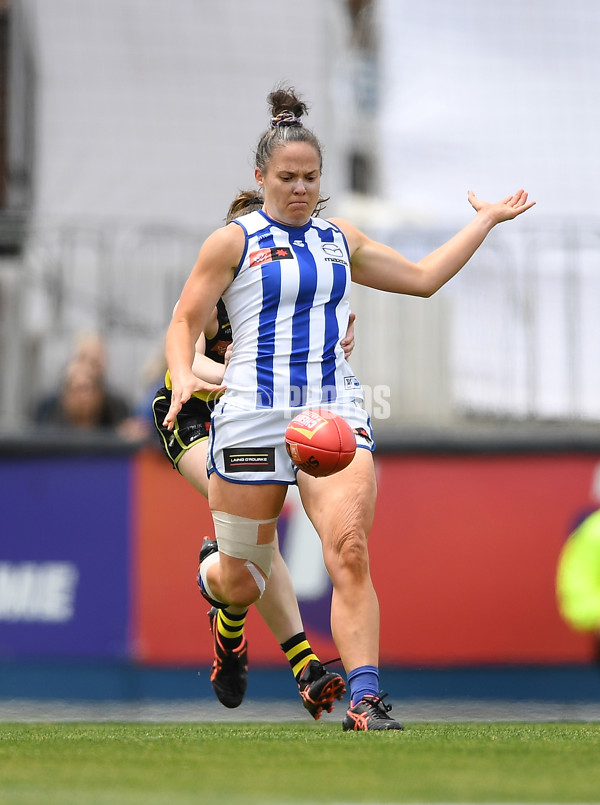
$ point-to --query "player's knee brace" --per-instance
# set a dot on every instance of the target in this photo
(240, 537)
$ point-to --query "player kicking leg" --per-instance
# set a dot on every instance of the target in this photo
(317, 686)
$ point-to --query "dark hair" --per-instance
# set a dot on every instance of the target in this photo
(286, 127)
(246, 201)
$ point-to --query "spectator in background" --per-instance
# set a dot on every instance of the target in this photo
(84, 400)
(578, 578)
(90, 349)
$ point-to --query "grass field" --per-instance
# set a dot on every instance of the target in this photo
(127, 764)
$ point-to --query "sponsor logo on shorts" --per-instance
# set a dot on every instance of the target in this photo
(363, 434)
(249, 459)
(270, 255)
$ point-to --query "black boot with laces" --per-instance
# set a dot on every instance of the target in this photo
(371, 713)
(320, 688)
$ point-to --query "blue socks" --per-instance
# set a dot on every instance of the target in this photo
(363, 681)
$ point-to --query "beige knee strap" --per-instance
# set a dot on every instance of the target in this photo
(239, 537)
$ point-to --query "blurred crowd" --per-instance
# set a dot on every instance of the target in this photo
(85, 401)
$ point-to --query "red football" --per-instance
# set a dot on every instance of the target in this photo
(320, 443)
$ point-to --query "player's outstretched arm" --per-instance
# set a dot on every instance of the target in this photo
(504, 210)
(379, 266)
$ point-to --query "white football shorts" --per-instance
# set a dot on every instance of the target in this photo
(248, 447)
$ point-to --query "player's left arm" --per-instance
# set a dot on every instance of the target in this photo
(379, 266)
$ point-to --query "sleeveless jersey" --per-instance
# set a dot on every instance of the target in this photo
(288, 306)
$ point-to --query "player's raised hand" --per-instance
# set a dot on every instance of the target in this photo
(504, 210)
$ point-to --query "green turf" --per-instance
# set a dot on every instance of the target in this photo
(126, 764)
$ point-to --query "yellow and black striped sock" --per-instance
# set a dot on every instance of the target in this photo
(298, 652)
(230, 628)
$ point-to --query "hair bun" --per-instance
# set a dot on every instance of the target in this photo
(285, 119)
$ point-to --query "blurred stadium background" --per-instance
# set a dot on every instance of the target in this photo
(126, 127)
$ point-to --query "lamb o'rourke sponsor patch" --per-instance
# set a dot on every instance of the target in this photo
(249, 459)
(269, 255)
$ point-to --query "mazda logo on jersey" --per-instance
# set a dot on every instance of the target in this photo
(270, 255)
(332, 249)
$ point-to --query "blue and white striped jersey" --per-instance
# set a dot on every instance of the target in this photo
(288, 306)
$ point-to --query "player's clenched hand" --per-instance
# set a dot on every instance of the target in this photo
(504, 210)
